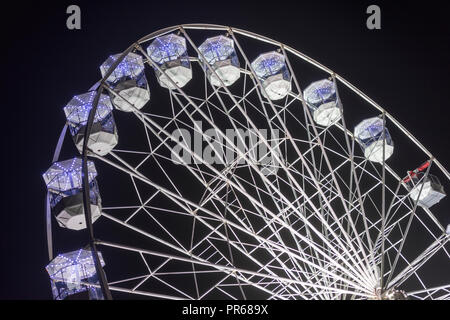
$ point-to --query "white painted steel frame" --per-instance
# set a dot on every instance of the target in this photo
(335, 261)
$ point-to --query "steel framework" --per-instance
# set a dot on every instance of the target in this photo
(329, 224)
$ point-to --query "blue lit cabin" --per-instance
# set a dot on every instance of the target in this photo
(73, 273)
(169, 52)
(103, 137)
(219, 53)
(321, 99)
(374, 140)
(128, 81)
(271, 70)
(65, 187)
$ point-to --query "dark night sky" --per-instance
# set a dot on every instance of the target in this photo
(404, 67)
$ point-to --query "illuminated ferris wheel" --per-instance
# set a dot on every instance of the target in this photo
(215, 163)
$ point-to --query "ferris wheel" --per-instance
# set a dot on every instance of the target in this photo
(215, 163)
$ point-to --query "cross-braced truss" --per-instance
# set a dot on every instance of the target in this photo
(311, 219)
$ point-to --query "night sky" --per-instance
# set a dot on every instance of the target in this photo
(404, 67)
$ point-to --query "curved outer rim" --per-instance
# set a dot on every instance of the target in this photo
(199, 26)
